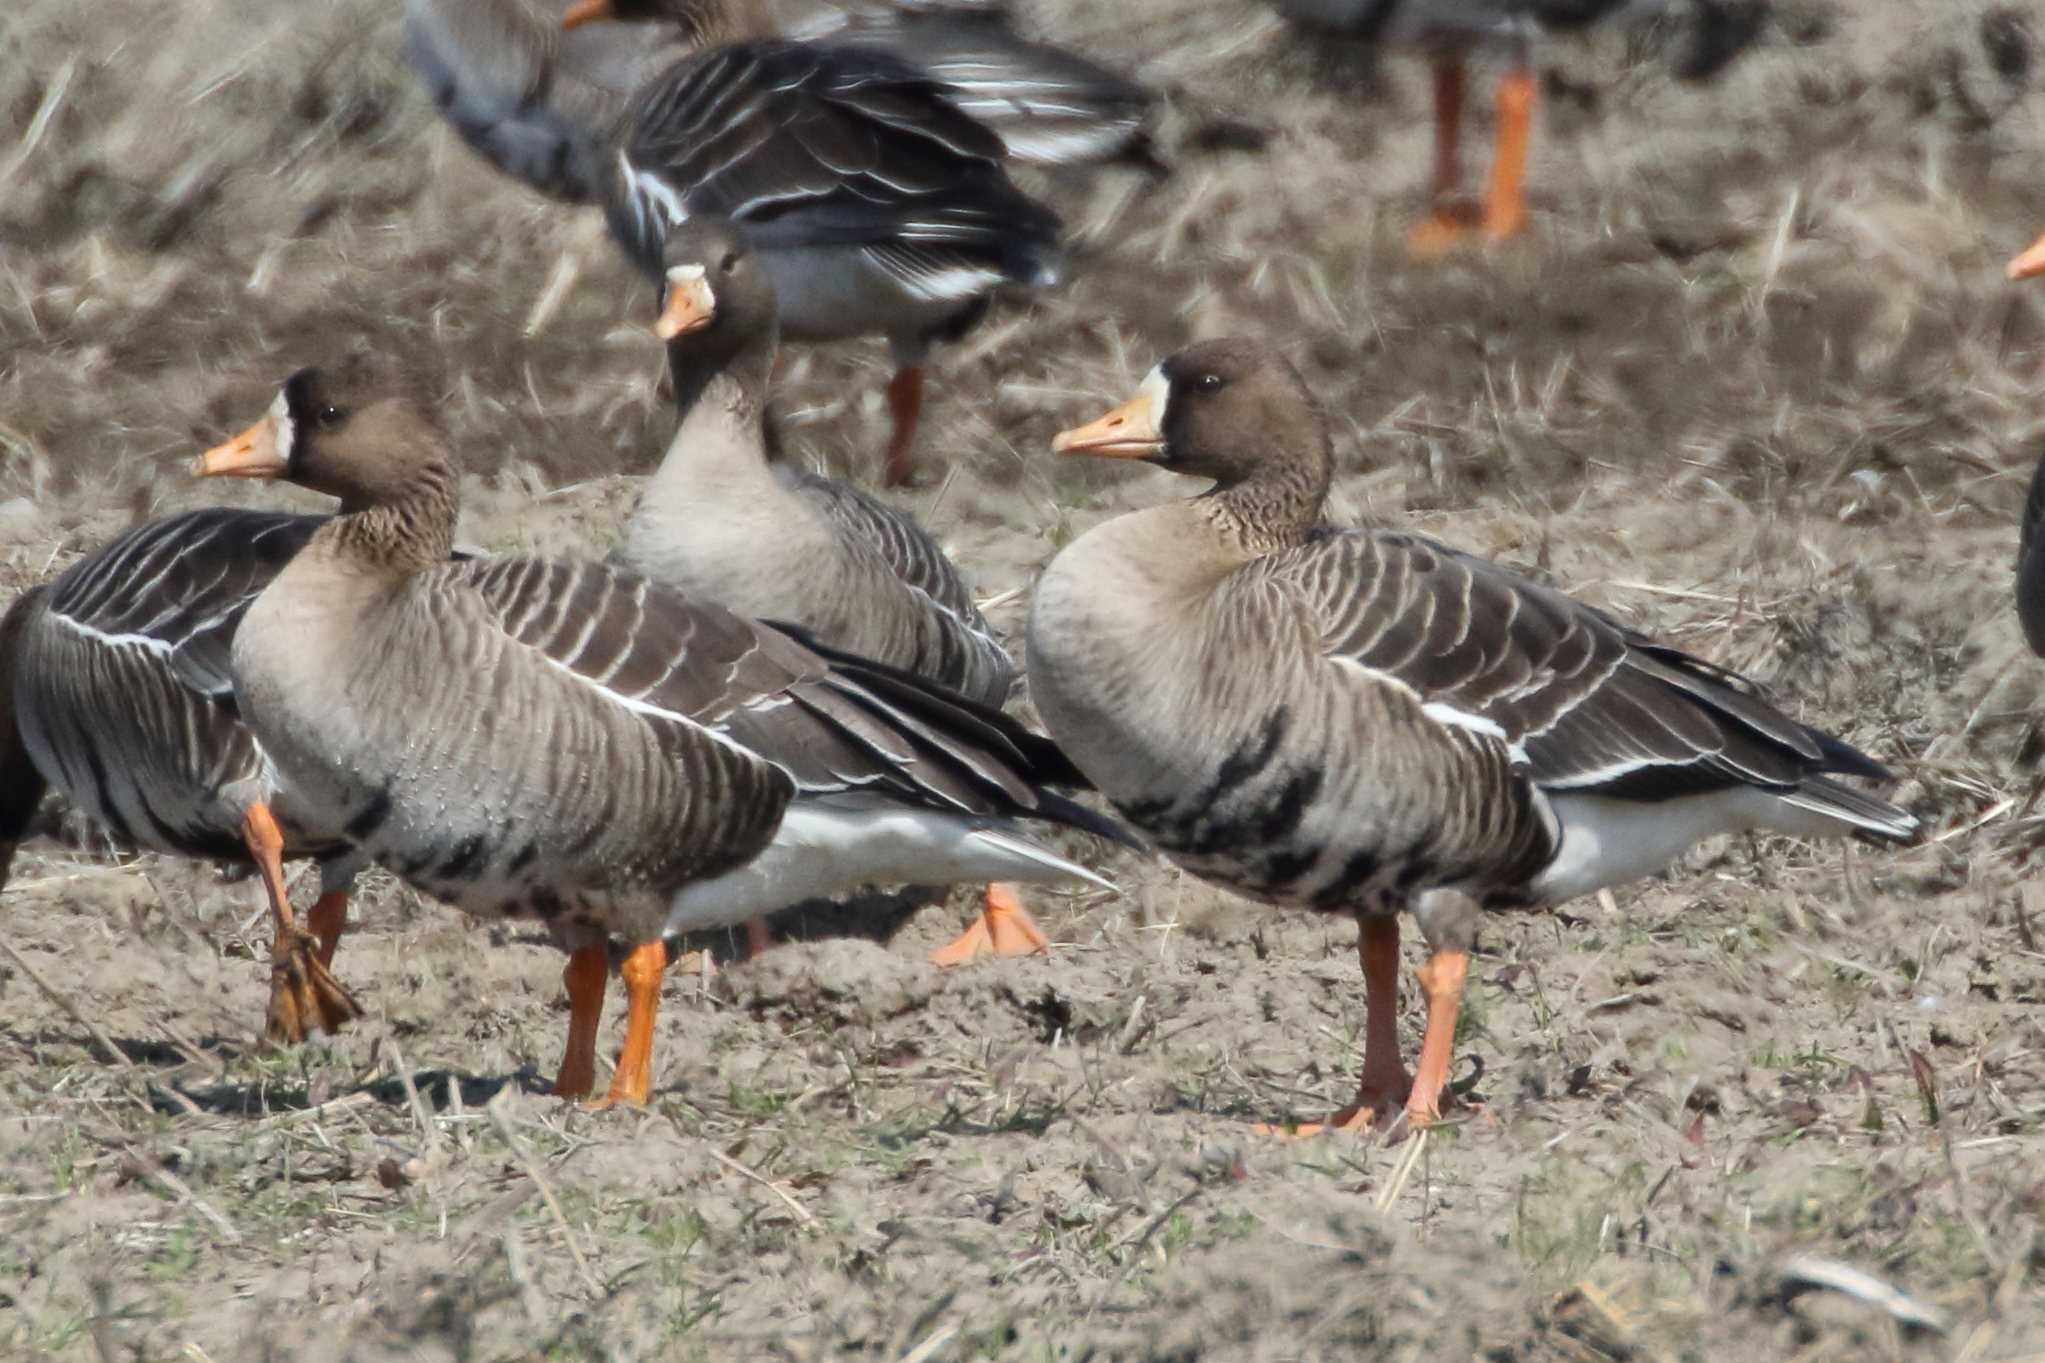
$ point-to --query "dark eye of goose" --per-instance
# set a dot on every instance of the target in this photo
(729, 263)
(328, 416)
(1208, 383)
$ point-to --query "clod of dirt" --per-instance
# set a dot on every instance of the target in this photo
(843, 979)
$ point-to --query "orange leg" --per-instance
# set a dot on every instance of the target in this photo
(905, 405)
(641, 971)
(326, 919)
(584, 977)
(1505, 211)
(303, 995)
(2030, 263)
(1385, 1082)
(1004, 928)
(1441, 980)
(1447, 220)
(758, 937)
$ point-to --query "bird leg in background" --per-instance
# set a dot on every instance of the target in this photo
(325, 920)
(633, 1079)
(303, 995)
(1004, 928)
(1385, 1083)
(759, 936)
(1447, 218)
(905, 405)
(585, 977)
(1505, 211)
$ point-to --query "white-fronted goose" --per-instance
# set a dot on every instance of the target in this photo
(726, 521)
(574, 742)
(114, 690)
(877, 205)
(1449, 30)
(1368, 721)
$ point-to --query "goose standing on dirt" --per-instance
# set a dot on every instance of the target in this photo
(725, 520)
(1367, 721)
(879, 207)
(1449, 31)
(114, 689)
(573, 742)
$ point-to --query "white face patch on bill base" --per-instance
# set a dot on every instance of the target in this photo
(1156, 389)
(689, 304)
(282, 429)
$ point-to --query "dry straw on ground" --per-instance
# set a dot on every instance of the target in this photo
(1753, 382)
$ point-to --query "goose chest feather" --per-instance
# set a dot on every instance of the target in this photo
(1371, 721)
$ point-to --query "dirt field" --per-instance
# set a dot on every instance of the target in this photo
(1754, 382)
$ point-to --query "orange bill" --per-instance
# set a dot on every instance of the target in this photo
(689, 304)
(2030, 263)
(255, 453)
(588, 12)
(1129, 432)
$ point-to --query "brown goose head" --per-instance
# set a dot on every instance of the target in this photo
(1233, 410)
(355, 430)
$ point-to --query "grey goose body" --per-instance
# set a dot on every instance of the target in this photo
(576, 743)
(725, 519)
(1368, 721)
(121, 700)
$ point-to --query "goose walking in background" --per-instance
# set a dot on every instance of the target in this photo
(726, 520)
(573, 742)
(1449, 31)
(879, 204)
(1368, 721)
(114, 689)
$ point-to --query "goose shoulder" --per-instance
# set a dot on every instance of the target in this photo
(924, 609)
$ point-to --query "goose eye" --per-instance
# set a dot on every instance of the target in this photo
(729, 263)
(1207, 383)
(328, 417)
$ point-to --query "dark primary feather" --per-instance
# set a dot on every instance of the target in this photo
(2031, 562)
(1596, 706)
(21, 784)
(810, 145)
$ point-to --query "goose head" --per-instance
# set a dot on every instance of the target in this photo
(353, 430)
(1233, 410)
(716, 297)
(705, 21)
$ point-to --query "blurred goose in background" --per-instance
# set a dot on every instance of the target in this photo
(573, 742)
(1449, 31)
(1369, 721)
(114, 690)
(857, 162)
(725, 519)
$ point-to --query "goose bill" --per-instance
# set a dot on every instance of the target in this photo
(587, 12)
(2031, 263)
(689, 306)
(255, 453)
(1128, 432)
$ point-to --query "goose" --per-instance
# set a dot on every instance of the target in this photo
(1449, 31)
(725, 519)
(114, 691)
(573, 742)
(878, 205)
(1368, 721)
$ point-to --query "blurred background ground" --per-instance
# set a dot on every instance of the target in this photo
(1753, 382)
